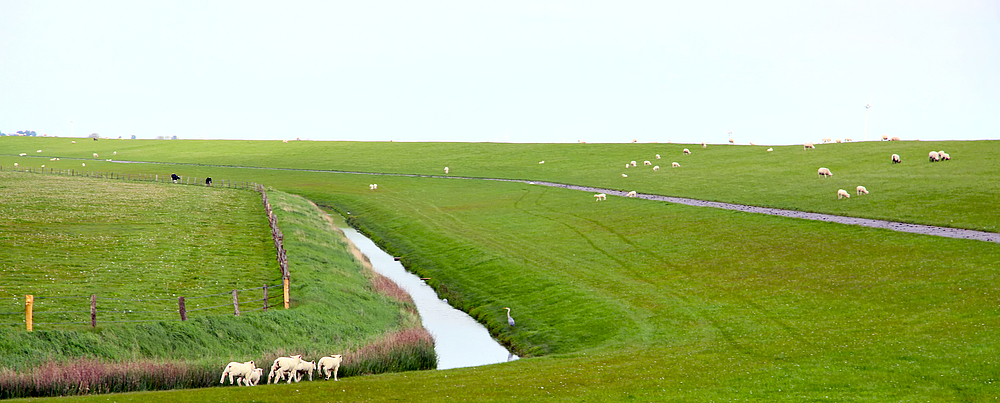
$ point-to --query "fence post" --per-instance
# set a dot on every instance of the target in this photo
(180, 307)
(265, 298)
(93, 310)
(29, 303)
(236, 304)
(285, 287)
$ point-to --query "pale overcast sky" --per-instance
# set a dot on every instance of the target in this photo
(519, 71)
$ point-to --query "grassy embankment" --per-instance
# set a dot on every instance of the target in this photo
(639, 300)
(76, 236)
(958, 193)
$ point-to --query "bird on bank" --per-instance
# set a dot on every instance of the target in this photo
(510, 320)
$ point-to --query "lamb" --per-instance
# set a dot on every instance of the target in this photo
(944, 156)
(84, 164)
(541, 162)
(848, 140)
(824, 172)
(675, 165)
(597, 197)
(624, 176)
(842, 194)
(330, 364)
(284, 141)
(861, 189)
(284, 366)
(703, 145)
(837, 141)
(114, 153)
(656, 168)
(74, 141)
(23, 154)
(885, 137)
(627, 165)
(15, 165)
(95, 155)
(895, 159)
(894, 139)
(52, 159)
(647, 163)
(657, 156)
(807, 146)
(303, 368)
(239, 370)
(770, 149)
(826, 139)
(631, 194)
(445, 169)
(38, 151)
(254, 377)
(686, 151)
(933, 156)
(633, 163)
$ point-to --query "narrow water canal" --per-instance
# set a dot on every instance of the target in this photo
(459, 340)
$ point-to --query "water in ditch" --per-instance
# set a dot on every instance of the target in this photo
(459, 340)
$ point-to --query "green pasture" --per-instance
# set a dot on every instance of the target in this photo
(630, 299)
(957, 193)
(70, 236)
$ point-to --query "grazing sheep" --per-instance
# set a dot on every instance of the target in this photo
(807, 146)
(686, 151)
(824, 172)
(371, 186)
(837, 141)
(95, 155)
(74, 141)
(633, 163)
(847, 140)
(842, 194)
(38, 151)
(944, 156)
(84, 164)
(23, 154)
(43, 165)
(114, 153)
(731, 141)
(600, 196)
(894, 139)
(237, 369)
(631, 194)
(657, 156)
(703, 145)
(624, 176)
(656, 168)
(675, 165)
(52, 159)
(541, 162)
(328, 365)
(445, 169)
(303, 368)
(826, 139)
(284, 366)
(770, 149)
(647, 163)
(861, 189)
(635, 140)
(933, 156)
(895, 159)
(15, 164)
(885, 137)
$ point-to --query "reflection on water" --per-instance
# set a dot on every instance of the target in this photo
(459, 340)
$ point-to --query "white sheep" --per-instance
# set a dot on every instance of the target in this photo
(675, 165)
(842, 194)
(114, 153)
(95, 155)
(731, 141)
(657, 156)
(861, 189)
(632, 194)
(52, 159)
(84, 164)
(372, 186)
(807, 146)
(647, 163)
(894, 139)
(770, 149)
(703, 145)
(944, 156)
(41, 151)
(43, 165)
(656, 168)
(627, 165)
(837, 141)
(329, 365)
(304, 367)
(848, 140)
(253, 379)
(15, 165)
(823, 172)
(933, 156)
(633, 163)
(445, 169)
(885, 137)
(74, 141)
(541, 162)
(600, 196)
(284, 366)
(827, 139)
(686, 151)
(23, 154)
(624, 176)
(895, 159)
(238, 370)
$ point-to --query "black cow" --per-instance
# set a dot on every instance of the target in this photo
(208, 181)
(175, 178)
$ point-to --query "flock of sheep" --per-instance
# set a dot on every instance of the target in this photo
(292, 368)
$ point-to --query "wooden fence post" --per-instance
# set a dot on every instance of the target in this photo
(180, 307)
(285, 287)
(93, 310)
(236, 304)
(29, 303)
(265, 298)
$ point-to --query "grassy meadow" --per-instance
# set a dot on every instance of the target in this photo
(65, 236)
(631, 299)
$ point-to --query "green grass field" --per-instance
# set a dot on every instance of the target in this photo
(637, 300)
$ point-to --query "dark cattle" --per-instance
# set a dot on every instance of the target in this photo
(175, 178)
(208, 181)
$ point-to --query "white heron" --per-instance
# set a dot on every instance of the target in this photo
(510, 320)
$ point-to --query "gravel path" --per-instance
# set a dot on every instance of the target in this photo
(865, 222)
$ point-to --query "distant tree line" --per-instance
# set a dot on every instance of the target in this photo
(29, 133)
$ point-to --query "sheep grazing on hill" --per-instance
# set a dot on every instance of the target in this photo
(675, 165)
(541, 162)
(239, 370)
(703, 145)
(38, 151)
(827, 139)
(328, 365)
(43, 165)
(114, 153)
(885, 137)
(633, 163)
(624, 176)
(842, 194)
(52, 159)
(84, 164)
(848, 140)
(933, 156)
(284, 366)
(895, 159)
(861, 189)
(646, 163)
(944, 156)
(657, 156)
(445, 169)
(731, 141)
(23, 154)
(823, 172)
(686, 151)
(770, 149)
(656, 168)
(15, 165)
(838, 141)
(600, 196)
(632, 194)
(304, 367)
(74, 141)
(807, 146)
(371, 186)
(894, 139)
(95, 155)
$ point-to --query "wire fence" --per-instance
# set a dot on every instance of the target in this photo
(92, 310)
(172, 178)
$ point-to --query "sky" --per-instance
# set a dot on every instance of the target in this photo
(771, 72)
